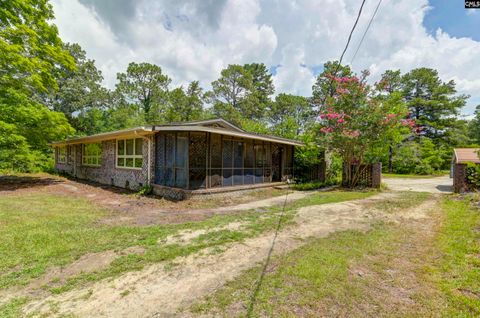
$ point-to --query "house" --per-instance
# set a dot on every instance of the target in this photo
(461, 157)
(179, 159)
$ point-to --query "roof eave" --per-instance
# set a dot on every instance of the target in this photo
(137, 131)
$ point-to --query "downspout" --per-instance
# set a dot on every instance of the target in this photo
(149, 142)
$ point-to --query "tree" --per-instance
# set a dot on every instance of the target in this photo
(356, 125)
(230, 93)
(324, 86)
(31, 52)
(185, 105)
(145, 86)
(474, 126)
(433, 104)
(79, 92)
(262, 89)
(290, 115)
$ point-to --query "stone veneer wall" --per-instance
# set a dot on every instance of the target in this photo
(459, 177)
(107, 173)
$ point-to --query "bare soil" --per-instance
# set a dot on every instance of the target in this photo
(441, 184)
(130, 209)
(161, 291)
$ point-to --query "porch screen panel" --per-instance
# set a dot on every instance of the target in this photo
(160, 159)
(181, 157)
(248, 174)
(267, 167)
(169, 160)
(227, 156)
(238, 147)
(198, 160)
(216, 175)
(259, 161)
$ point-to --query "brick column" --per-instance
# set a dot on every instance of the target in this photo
(459, 178)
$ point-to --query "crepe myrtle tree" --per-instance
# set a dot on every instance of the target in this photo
(358, 123)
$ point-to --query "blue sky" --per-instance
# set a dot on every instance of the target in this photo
(452, 17)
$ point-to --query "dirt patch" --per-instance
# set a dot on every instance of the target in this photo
(441, 184)
(186, 236)
(57, 276)
(130, 209)
(160, 292)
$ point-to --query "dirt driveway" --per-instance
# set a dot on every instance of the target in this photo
(158, 291)
(441, 184)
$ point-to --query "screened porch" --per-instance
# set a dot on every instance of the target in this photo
(198, 160)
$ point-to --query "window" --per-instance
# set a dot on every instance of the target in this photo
(129, 153)
(92, 154)
(62, 154)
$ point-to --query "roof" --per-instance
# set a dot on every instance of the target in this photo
(218, 126)
(464, 155)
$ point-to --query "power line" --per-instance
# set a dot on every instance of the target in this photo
(344, 50)
(366, 30)
(350, 36)
(259, 282)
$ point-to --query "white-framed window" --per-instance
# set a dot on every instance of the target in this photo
(92, 154)
(130, 153)
(62, 154)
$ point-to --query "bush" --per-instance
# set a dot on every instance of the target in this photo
(473, 176)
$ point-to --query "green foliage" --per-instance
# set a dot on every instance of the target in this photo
(145, 87)
(473, 176)
(290, 115)
(242, 92)
(31, 54)
(145, 190)
(185, 105)
(358, 125)
(431, 102)
(474, 126)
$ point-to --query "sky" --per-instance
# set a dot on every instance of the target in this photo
(196, 39)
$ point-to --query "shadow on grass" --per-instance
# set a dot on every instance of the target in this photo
(11, 183)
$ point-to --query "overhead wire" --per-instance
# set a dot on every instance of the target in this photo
(366, 30)
(259, 281)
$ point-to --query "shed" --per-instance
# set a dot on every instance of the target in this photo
(461, 157)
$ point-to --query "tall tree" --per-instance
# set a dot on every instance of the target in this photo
(31, 51)
(324, 85)
(230, 93)
(432, 103)
(262, 89)
(290, 115)
(474, 126)
(145, 86)
(185, 105)
(80, 91)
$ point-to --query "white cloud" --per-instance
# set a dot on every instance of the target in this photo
(194, 40)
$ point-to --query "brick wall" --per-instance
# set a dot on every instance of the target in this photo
(107, 173)
(459, 178)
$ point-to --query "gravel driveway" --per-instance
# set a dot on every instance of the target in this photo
(441, 184)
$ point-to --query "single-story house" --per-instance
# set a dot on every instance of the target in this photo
(461, 157)
(179, 159)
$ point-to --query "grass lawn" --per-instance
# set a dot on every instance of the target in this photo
(39, 231)
(392, 270)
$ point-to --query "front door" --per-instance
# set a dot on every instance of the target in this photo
(277, 163)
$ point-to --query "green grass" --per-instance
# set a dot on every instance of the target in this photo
(458, 271)
(13, 308)
(39, 231)
(301, 282)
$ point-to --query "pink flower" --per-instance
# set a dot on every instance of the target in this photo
(341, 120)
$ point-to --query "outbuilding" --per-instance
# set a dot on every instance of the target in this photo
(179, 159)
(461, 157)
